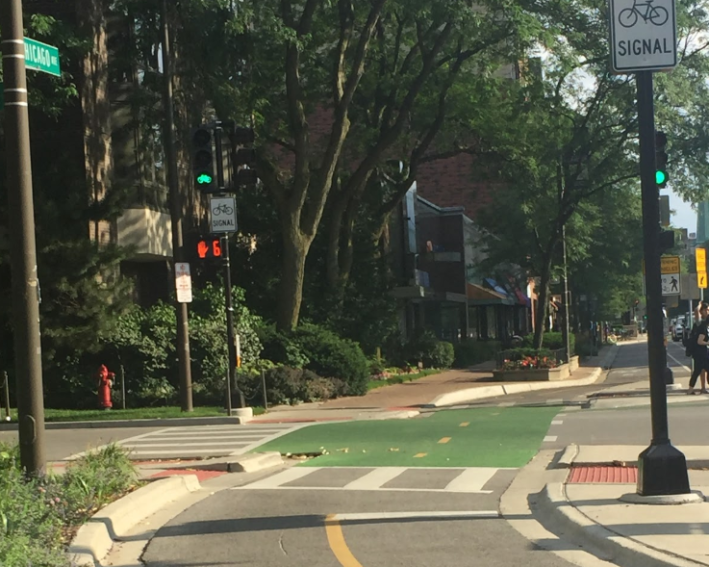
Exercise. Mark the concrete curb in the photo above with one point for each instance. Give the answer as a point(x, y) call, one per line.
point(563, 517)
point(240, 463)
point(122, 423)
point(95, 539)
point(473, 394)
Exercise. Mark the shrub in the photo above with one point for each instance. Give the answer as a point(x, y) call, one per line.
point(530, 362)
point(429, 351)
point(286, 385)
point(333, 357)
point(470, 352)
point(281, 348)
point(552, 340)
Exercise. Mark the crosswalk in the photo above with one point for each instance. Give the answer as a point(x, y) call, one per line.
point(202, 441)
point(473, 480)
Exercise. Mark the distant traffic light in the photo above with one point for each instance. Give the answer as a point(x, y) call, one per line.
point(210, 247)
point(203, 158)
point(243, 157)
point(661, 175)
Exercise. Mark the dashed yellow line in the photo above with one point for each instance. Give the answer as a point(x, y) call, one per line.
point(465, 424)
point(419, 455)
point(444, 440)
point(337, 542)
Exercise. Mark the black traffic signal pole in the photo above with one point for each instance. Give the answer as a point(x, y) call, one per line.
point(662, 468)
point(23, 248)
point(183, 335)
point(231, 335)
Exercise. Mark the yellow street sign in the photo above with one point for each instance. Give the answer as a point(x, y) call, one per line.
point(702, 280)
point(670, 264)
point(701, 255)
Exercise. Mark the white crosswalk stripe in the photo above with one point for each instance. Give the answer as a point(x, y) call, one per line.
point(203, 441)
point(472, 480)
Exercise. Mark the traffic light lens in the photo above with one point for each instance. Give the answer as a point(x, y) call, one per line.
point(202, 158)
point(660, 177)
point(202, 137)
point(204, 179)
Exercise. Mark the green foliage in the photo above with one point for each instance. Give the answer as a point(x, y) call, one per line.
point(333, 357)
point(34, 514)
point(286, 385)
point(553, 340)
point(469, 353)
point(281, 348)
point(429, 351)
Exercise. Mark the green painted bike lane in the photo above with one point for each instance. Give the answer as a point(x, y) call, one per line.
point(483, 437)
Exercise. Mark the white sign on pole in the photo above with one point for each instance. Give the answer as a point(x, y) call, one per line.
point(223, 214)
point(183, 282)
point(671, 284)
point(643, 35)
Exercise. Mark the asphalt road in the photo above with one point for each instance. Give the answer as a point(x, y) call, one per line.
point(295, 527)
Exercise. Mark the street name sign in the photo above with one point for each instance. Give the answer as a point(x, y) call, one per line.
point(183, 282)
point(223, 217)
point(42, 57)
point(643, 35)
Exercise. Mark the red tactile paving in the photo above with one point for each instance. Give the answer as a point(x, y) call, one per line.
point(602, 475)
point(201, 475)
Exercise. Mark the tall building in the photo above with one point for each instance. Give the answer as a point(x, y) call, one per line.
point(702, 222)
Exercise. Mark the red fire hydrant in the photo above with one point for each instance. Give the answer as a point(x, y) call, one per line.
point(105, 382)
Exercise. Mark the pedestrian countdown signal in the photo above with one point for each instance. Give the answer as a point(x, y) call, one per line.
point(209, 248)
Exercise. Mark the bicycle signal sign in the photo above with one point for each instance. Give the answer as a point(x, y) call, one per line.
point(222, 214)
point(643, 35)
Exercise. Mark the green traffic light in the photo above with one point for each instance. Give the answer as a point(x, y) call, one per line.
point(660, 177)
point(204, 179)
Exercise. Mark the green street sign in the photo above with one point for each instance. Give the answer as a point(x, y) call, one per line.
point(41, 57)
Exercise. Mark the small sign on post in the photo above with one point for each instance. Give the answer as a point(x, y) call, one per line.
point(183, 282)
point(670, 275)
point(223, 214)
point(701, 257)
point(643, 35)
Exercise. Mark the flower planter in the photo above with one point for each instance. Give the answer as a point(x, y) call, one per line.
point(562, 372)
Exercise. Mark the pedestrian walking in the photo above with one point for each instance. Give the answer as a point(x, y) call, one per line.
point(697, 345)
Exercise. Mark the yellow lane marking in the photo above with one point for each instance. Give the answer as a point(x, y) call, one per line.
point(465, 424)
point(419, 455)
point(337, 542)
point(444, 440)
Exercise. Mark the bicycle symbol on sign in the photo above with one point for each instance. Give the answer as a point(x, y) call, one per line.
point(223, 208)
point(655, 14)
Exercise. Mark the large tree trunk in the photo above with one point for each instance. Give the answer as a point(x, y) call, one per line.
point(295, 250)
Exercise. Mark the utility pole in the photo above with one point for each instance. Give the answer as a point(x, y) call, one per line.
point(565, 331)
point(183, 336)
point(662, 468)
point(23, 250)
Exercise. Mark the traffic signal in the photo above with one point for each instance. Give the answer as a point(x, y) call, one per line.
point(661, 175)
point(210, 247)
point(243, 157)
point(667, 240)
point(203, 151)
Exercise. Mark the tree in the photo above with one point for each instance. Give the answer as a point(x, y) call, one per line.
point(576, 139)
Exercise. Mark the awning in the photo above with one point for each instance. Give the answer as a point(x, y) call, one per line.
point(478, 295)
point(497, 287)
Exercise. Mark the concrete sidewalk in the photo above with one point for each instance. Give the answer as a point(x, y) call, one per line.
point(450, 387)
point(590, 509)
